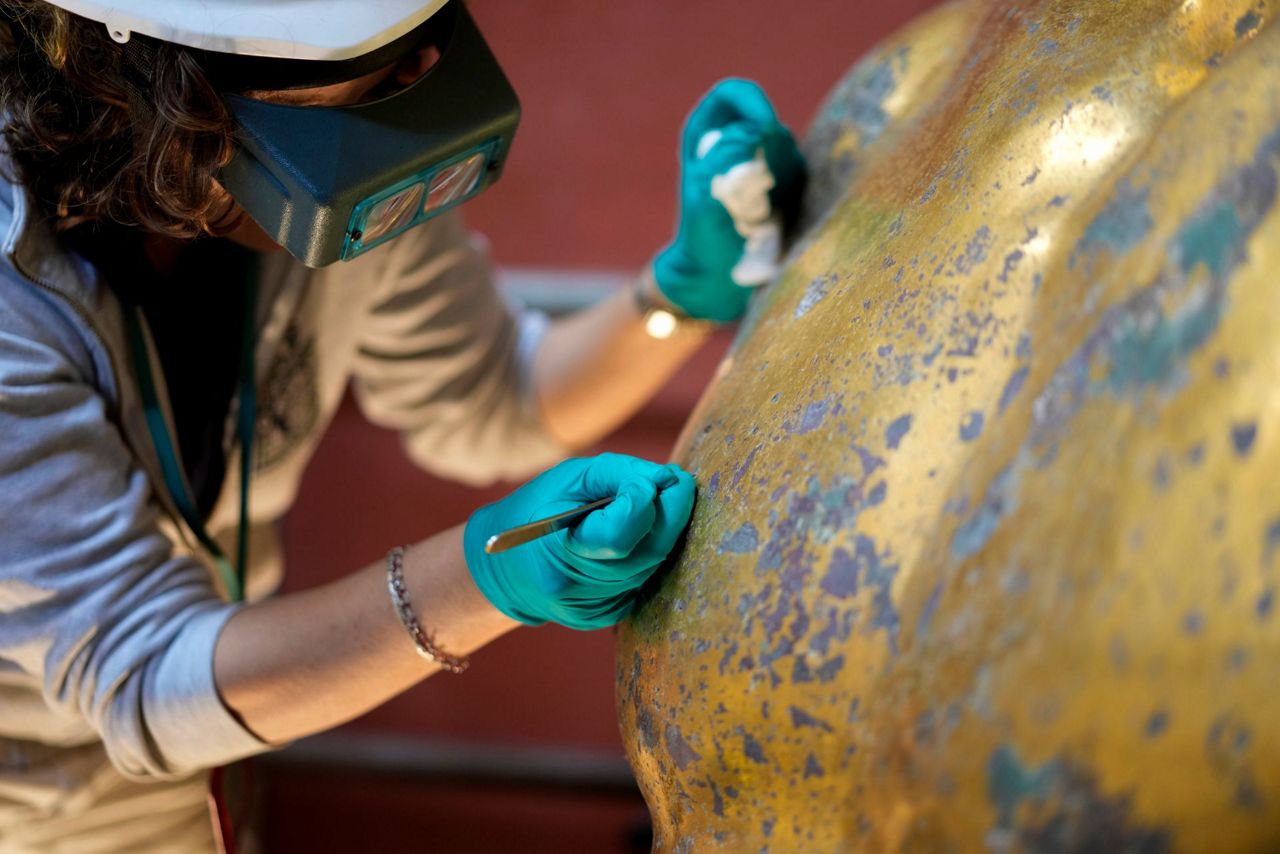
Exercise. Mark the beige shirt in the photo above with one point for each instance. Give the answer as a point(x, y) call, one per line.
point(108, 617)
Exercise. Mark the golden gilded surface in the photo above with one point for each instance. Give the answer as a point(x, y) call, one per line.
point(987, 547)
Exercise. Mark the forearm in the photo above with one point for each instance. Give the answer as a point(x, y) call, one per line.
point(596, 368)
point(301, 663)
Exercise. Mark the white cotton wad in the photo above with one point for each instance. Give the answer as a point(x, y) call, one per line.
point(744, 192)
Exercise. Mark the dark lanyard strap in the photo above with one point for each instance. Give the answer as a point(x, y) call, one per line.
point(175, 481)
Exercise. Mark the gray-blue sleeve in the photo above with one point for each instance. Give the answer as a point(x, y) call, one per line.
point(97, 611)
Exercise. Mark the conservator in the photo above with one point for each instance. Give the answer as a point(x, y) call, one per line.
point(146, 318)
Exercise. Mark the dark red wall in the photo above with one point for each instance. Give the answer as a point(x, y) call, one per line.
point(591, 184)
point(606, 85)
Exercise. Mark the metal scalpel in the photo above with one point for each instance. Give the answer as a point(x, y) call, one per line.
point(526, 533)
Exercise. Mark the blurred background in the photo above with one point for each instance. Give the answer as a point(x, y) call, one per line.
point(523, 750)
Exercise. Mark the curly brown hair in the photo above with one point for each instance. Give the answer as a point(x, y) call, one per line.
point(80, 149)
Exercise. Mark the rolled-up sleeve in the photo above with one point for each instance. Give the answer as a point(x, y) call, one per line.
point(97, 611)
point(445, 360)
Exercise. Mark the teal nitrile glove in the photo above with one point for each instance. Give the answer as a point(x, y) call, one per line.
point(587, 576)
point(742, 176)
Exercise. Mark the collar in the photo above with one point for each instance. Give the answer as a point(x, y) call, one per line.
point(31, 247)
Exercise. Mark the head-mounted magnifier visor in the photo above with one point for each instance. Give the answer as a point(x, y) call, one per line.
point(331, 183)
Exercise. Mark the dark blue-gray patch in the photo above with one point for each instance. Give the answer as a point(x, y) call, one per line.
point(1012, 387)
point(824, 673)
point(839, 626)
point(1266, 603)
point(975, 251)
point(1271, 541)
point(717, 800)
point(644, 723)
point(1023, 351)
point(814, 294)
point(1228, 735)
point(1121, 225)
point(817, 513)
point(1156, 724)
point(971, 427)
point(1001, 498)
point(1227, 743)
point(925, 727)
point(744, 540)
point(1243, 436)
point(801, 718)
point(841, 578)
point(829, 669)
point(874, 571)
point(812, 417)
point(1071, 812)
point(1010, 264)
point(1195, 454)
point(679, 749)
point(930, 608)
point(1193, 622)
point(753, 749)
point(796, 569)
point(895, 432)
point(741, 471)
point(1010, 782)
point(1237, 658)
point(812, 768)
point(729, 653)
point(866, 107)
point(1162, 474)
point(1247, 23)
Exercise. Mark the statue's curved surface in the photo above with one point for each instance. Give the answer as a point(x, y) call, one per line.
point(987, 551)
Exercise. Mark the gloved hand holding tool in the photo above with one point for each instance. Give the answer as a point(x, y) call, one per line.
point(586, 576)
point(742, 177)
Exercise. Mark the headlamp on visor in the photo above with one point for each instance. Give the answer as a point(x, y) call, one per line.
point(331, 183)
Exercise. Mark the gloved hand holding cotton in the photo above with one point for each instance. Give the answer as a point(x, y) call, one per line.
point(585, 577)
point(741, 178)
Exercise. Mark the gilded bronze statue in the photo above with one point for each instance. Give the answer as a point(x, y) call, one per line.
point(987, 548)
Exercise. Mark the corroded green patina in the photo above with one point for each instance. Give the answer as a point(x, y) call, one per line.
point(987, 547)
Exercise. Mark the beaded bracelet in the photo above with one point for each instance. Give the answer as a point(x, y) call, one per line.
point(424, 642)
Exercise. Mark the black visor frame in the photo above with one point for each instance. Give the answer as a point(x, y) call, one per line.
point(303, 172)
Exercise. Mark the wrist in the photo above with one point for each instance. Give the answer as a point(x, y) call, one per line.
point(424, 641)
point(487, 578)
point(700, 290)
point(445, 594)
point(663, 319)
